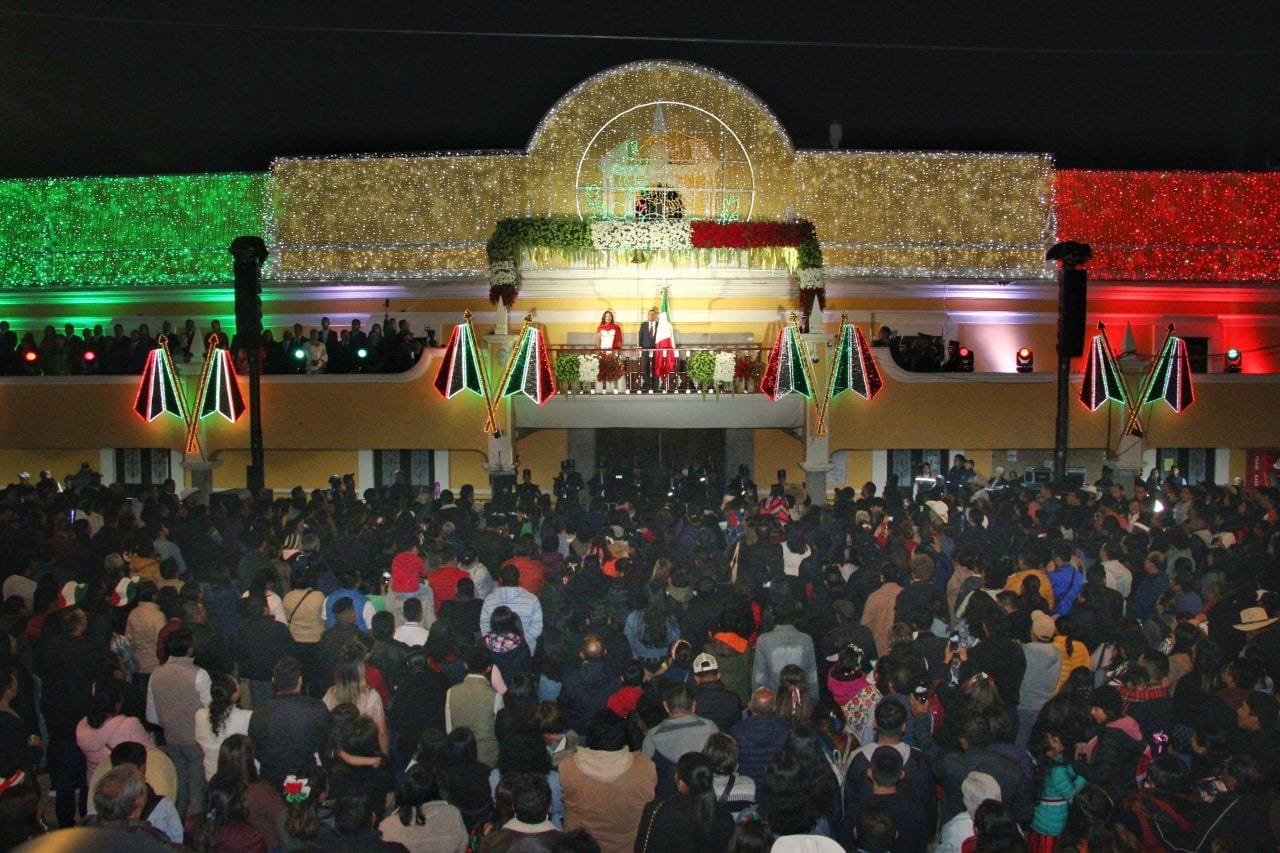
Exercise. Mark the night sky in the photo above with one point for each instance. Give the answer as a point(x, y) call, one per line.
point(96, 97)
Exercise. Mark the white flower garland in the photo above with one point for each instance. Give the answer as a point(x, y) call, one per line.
point(725, 364)
point(620, 235)
point(503, 274)
point(811, 279)
point(588, 368)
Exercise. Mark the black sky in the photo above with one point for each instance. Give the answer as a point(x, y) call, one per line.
point(92, 97)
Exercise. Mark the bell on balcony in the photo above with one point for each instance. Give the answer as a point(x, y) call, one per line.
point(637, 257)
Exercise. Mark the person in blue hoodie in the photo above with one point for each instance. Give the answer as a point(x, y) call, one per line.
point(1065, 578)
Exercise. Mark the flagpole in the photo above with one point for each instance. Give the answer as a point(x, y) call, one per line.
point(511, 363)
point(821, 428)
point(193, 441)
point(491, 422)
point(210, 350)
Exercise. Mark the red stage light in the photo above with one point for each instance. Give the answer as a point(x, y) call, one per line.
point(90, 355)
point(964, 352)
point(1025, 360)
point(30, 355)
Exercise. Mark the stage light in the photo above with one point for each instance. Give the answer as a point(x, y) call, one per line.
point(966, 360)
point(299, 353)
point(1026, 360)
point(90, 356)
point(1233, 361)
point(362, 353)
point(30, 356)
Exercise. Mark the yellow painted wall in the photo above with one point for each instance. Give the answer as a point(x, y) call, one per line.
point(285, 469)
point(541, 452)
point(467, 466)
point(59, 462)
point(774, 449)
point(859, 469)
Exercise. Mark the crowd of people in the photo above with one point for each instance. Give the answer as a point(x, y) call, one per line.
point(324, 349)
point(981, 666)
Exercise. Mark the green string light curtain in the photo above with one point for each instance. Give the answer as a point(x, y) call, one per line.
point(157, 230)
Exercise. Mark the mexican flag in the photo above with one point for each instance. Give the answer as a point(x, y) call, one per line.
point(664, 361)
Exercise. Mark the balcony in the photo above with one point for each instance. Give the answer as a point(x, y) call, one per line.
point(678, 400)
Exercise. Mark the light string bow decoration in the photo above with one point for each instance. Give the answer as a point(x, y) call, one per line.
point(788, 368)
point(529, 367)
point(852, 368)
point(462, 369)
point(1168, 379)
point(160, 391)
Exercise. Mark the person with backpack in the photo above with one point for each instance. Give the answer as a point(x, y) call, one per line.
point(1166, 810)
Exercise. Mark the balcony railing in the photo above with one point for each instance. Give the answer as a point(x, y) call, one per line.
point(698, 369)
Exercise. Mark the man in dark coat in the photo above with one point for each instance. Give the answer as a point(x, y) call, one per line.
point(588, 690)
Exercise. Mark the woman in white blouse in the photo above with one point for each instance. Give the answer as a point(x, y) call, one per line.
point(350, 687)
point(220, 720)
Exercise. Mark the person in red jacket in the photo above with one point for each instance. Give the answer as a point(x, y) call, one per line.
point(532, 575)
point(443, 575)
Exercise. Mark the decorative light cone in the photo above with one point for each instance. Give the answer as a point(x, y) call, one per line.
point(1171, 377)
point(158, 391)
point(221, 393)
point(787, 370)
point(460, 367)
point(1102, 378)
point(529, 372)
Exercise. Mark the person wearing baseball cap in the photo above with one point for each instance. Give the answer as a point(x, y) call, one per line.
point(716, 702)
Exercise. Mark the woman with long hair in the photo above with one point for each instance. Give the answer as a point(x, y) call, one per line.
point(220, 720)
point(298, 826)
point(995, 830)
point(104, 727)
point(693, 819)
point(262, 803)
point(422, 819)
point(506, 643)
point(794, 705)
point(854, 692)
point(608, 335)
point(650, 630)
point(518, 704)
point(466, 779)
point(224, 827)
point(350, 688)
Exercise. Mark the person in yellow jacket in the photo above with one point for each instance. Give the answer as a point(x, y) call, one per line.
point(1074, 653)
point(1030, 564)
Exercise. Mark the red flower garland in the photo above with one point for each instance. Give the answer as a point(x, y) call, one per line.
point(710, 234)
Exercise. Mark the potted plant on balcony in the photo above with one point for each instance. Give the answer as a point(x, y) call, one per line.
point(610, 371)
point(588, 369)
point(567, 369)
point(701, 368)
point(746, 372)
point(725, 369)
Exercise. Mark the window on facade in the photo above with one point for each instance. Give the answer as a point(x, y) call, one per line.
point(1198, 354)
point(907, 464)
point(1195, 463)
point(419, 467)
point(142, 466)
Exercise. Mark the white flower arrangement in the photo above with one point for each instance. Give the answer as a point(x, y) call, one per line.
point(619, 235)
point(725, 363)
point(503, 274)
point(588, 369)
point(811, 279)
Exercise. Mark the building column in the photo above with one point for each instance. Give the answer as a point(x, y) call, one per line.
point(501, 452)
point(201, 472)
point(817, 454)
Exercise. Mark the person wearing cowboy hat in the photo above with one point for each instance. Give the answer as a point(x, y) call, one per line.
point(1263, 638)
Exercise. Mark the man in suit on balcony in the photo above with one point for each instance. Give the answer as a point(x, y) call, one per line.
point(648, 341)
